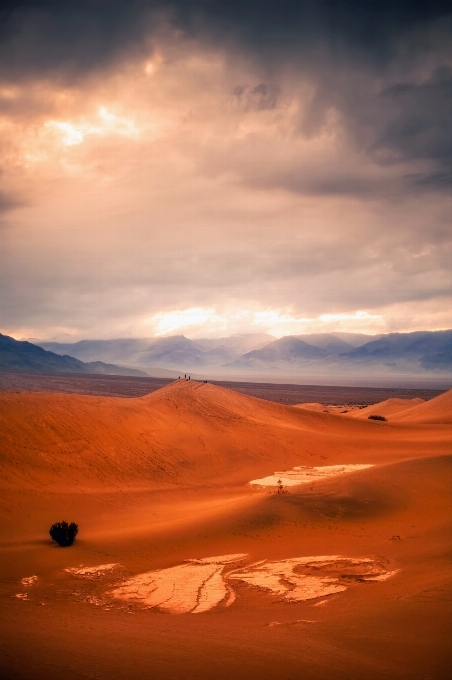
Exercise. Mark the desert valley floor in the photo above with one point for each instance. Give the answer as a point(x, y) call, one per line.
point(183, 569)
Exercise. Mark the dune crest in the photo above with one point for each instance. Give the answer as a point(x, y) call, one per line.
point(437, 411)
point(186, 433)
point(386, 408)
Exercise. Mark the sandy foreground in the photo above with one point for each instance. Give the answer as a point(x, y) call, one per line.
point(183, 569)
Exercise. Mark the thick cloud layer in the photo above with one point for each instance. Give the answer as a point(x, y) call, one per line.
point(281, 166)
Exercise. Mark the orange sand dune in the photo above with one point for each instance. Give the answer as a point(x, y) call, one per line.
point(161, 482)
point(386, 408)
point(312, 406)
point(397, 514)
point(435, 411)
point(186, 433)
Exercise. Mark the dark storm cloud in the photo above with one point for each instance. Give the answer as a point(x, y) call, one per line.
point(68, 38)
point(417, 124)
point(80, 35)
point(365, 60)
point(261, 97)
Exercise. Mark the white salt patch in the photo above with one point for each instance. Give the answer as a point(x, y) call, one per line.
point(262, 579)
point(22, 596)
point(281, 579)
point(195, 586)
point(91, 572)
point(198, 585)
point(311, 587)
point(213, 591)
point(306, 475)
point(174, 590)
point(230, 597)
point(28, 580)
point(291, 623)
point(382, 577)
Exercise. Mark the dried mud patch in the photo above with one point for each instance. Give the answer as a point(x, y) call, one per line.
point(196, 586)
point(206, 584)
point(201, 585)
point(306, 578)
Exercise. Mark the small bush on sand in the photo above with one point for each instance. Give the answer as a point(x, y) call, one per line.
point(63, 533)
point(376, 418)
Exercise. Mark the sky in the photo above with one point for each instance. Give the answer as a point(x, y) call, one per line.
point(212, 168)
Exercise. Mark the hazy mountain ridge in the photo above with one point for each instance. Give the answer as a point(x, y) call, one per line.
point(420, 352)
point(405, 352)
point(172, 352)
point(23, 355)
point(288, 349)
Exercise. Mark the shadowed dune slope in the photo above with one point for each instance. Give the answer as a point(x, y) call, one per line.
point(186, 433)
point(436, 411)
point(386, 408)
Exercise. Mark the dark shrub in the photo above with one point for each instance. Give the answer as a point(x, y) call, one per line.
point(63, 533)
point(376, 418)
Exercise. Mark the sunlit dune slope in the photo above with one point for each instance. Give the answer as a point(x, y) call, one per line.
point(435, 411)
point(386, 408)
point(312, 406)
point(388, 500)
point(186, 433)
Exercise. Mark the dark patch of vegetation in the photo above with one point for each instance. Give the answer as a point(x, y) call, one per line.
point(280, 487)
point(376, 418)
point(63, 533)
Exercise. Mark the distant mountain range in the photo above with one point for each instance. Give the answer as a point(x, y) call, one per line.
point(175, 352)
point(22, 355)
point(254, 356)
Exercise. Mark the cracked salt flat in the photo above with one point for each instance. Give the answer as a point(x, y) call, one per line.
point(281, 579)
point(196, 586)
point(305, 475)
